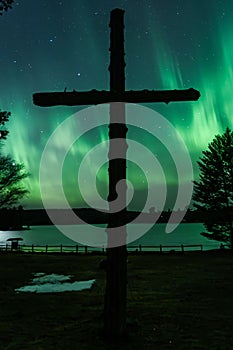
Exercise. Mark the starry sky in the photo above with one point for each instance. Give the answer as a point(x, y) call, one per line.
point(56, 45)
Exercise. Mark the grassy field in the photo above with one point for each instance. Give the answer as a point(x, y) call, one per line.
point(179, 301)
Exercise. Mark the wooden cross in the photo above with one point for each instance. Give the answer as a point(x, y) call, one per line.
point(116, 271)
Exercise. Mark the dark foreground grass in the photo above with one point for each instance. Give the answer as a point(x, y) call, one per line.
point(174, 302)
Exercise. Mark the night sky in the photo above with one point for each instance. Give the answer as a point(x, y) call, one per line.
point(53, 45)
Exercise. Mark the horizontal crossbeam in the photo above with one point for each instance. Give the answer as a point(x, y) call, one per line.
point(94, 97)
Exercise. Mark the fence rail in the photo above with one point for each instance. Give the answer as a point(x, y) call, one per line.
point(86, 249)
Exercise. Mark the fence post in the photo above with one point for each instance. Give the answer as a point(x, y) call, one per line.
point(201, 247)
point(86, 249)
point(103, 250)
point(161, 248)
point(32, 248)
point(182, 248)
point(61, 248)
point(77, 248)
point(140, 247)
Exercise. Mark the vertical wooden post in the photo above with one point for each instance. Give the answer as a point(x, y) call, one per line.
point(116, 272)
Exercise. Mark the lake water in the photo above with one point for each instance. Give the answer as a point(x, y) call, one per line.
point(186, 234)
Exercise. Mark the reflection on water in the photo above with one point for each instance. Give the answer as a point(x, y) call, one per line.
point(49, 235)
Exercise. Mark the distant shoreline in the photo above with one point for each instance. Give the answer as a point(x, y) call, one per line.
point(24, 219)
point(38, 217)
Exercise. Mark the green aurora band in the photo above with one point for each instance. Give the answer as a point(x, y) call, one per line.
point(163, 51)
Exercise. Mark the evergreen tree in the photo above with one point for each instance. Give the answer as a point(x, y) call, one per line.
point(213, 193)
point(11, 174)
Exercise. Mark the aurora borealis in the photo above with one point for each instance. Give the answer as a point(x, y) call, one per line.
point(57, 45)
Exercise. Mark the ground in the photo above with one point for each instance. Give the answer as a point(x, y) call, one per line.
point(175, 301)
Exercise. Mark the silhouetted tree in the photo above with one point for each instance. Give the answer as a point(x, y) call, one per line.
point(5, 5)
point(213, 194)
point(11, 173)
point(4, 117)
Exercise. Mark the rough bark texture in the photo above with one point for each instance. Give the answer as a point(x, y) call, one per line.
point(74, 98)
point(116, 273)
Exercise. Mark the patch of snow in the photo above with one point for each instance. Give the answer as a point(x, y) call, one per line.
point(38, 274)
point(52, 284)
point(53, 278)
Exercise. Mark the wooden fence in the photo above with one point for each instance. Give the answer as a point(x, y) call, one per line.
point(86, 250)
